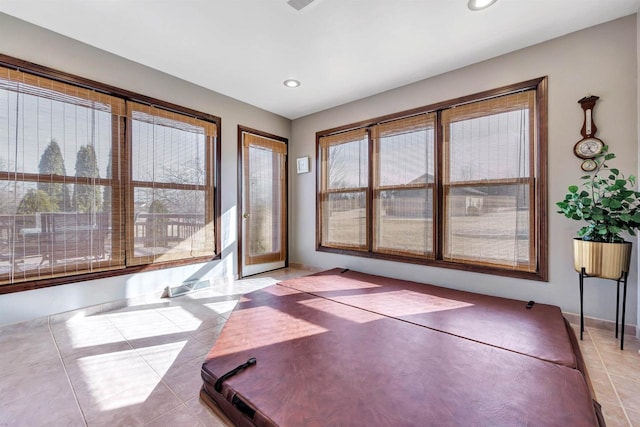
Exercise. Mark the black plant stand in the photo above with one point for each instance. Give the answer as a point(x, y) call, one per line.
point(623, 278)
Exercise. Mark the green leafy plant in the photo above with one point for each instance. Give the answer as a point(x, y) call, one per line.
point(606, 200)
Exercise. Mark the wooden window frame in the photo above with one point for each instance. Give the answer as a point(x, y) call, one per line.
point(537, 186)
point(122, 189)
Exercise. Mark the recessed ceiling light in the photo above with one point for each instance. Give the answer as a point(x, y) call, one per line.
point(480, 4)
point(291, 83)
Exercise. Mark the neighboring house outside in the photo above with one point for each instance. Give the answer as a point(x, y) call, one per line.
point(469, 201)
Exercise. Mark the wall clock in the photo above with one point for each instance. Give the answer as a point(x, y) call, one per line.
point(589, 146)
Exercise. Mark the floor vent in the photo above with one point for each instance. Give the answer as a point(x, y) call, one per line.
point(187, 287)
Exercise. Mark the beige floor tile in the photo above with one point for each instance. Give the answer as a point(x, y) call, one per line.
point(206, 415)
point(590, 354)
point(208, 336)
point(26, 382)
point(628, 369)
point(614, 416)
point(631, 342)
point(629, 391)
point(103, 350)
point(184, 379)
point(576, 330)
point(165, 353)
point(623, 363)
point(180, 416)
point(607, 340)
point(634, 417)
point(23, 328)
point(605, 393)
point(116, 419)
point(142, 323)
point(44, 407)
point(136, 406)
point(76, 335)
point(606, 348)
point(37, 394)
point(190, 316)
point(27, 349)
point(614, 348)
point(223, 306)
point(111, 378)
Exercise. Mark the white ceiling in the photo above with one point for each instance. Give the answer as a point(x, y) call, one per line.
point(341, 50)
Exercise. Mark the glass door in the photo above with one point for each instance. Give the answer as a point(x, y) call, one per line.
point(264, 203)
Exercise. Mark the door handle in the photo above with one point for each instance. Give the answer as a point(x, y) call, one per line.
point(245, 215)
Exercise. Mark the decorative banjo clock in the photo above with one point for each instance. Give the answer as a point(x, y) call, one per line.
point(589, 146)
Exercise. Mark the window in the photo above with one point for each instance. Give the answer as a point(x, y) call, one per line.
point(488, 182)
point(403, 184)
point(91, 182)
point(344, 195)
point(171, 184)
point(458, 185)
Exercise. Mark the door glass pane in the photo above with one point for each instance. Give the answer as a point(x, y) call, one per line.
point(264, 204)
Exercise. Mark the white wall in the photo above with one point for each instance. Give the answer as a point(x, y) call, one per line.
point(34, 44)
point(601, 61)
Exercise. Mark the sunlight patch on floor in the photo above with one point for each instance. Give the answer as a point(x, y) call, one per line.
point(117, 380)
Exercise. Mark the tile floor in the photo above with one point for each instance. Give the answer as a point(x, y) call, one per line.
point(132, 366)
point(140, 365)
point(615, 374)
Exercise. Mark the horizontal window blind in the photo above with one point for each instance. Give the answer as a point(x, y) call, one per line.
point(344, 186)
point(403, 184)
point(171, 204)
point(488, 182)
point(60, 210)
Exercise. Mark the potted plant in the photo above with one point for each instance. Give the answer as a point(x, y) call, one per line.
point(607, 201)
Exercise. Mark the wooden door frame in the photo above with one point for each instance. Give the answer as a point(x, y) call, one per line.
point(240, 199)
